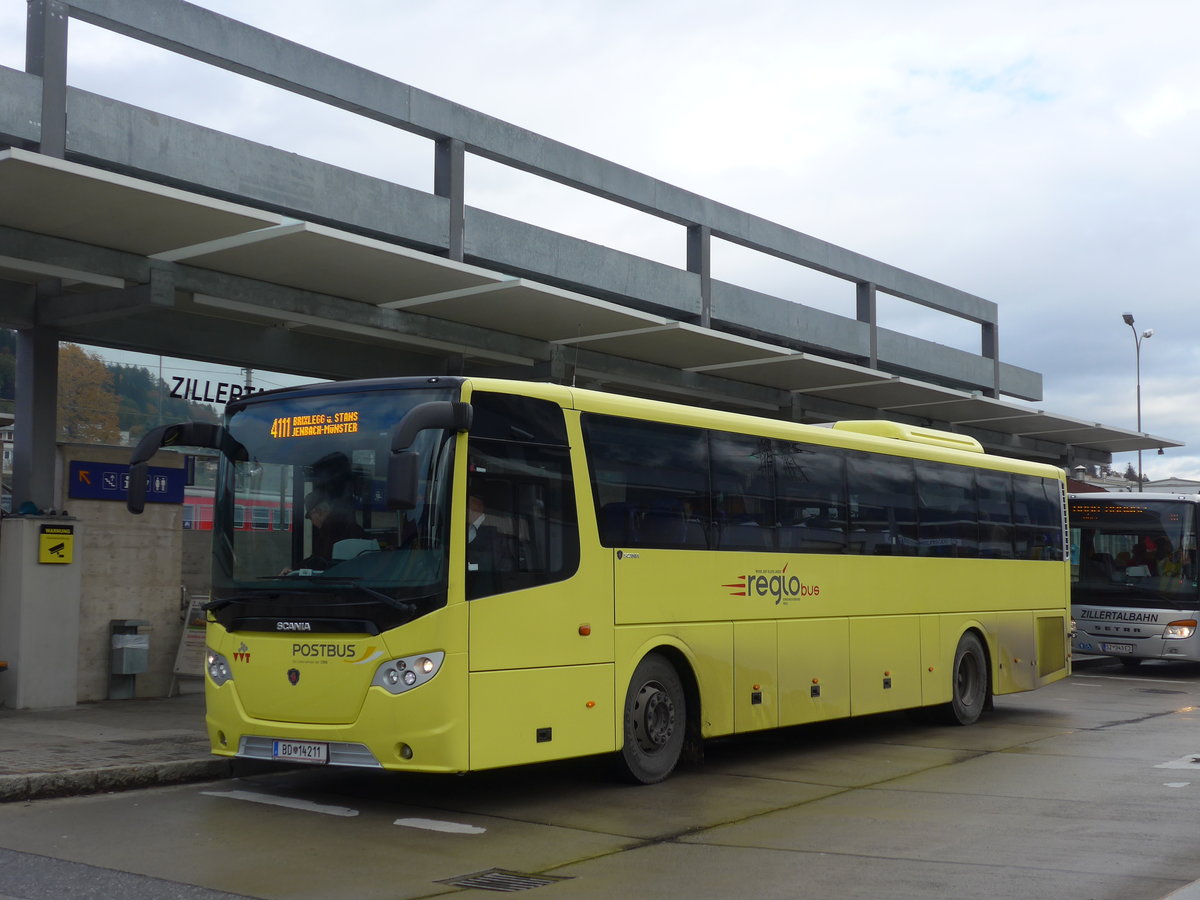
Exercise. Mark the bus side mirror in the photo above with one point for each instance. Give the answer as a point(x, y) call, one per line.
point(181, 434)
point(402, 479)
point(403, 469)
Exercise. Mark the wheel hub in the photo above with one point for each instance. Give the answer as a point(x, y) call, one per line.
point(655, 722)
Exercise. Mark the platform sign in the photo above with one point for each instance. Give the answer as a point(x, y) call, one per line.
point(189, 657)
point(56, 543)
point(110, 481)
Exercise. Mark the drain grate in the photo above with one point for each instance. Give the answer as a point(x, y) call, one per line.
point(1157, 691)
point(503, 880)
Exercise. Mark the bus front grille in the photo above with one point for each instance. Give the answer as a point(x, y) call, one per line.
point(340, 753)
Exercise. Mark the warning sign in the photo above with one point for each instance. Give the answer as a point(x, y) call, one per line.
point(56, 543)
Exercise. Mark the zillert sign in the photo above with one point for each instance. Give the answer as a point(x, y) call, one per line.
point(208, 391)
point(110, 481)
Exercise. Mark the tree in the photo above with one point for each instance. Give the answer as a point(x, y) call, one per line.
point(87, 405)
point(1130, 474)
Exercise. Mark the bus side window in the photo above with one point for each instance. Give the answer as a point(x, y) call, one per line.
point(995, 515)
point(650, 482)
point(520, 471)
point(743, 491)
point(810, 487)
point(948, 512)
point(1037, 515)
point(883, 515)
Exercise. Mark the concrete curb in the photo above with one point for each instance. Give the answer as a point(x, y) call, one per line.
point(108, 779)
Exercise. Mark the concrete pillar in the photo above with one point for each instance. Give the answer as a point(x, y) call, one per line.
point(868, 312)
point(46, 56)
point(39, 611)
point(699, 260)
point(449, 181)
point(36, 416)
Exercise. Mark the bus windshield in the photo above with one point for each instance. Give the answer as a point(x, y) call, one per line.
point(300, 524)
point(1133, 552)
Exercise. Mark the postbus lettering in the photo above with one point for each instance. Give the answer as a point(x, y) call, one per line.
point(324, 651)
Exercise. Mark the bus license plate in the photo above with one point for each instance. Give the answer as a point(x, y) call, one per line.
point(1117, 648)
point(300, 752)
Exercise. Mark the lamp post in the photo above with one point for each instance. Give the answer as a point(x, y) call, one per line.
point(1137, 356)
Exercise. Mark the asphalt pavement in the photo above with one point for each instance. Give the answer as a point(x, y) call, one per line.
point(117, 745)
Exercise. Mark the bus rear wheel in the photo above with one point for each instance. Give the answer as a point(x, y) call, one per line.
point(655, 721)
point(969, 685)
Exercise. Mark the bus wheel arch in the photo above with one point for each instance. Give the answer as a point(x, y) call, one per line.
point(660, 717)
point(970, 680)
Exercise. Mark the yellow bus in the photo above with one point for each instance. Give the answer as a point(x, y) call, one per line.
point(478, 573)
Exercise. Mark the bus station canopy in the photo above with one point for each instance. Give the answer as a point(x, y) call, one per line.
point(100, 232)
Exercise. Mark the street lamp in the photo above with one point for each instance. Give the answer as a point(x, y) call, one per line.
point(1137, 355)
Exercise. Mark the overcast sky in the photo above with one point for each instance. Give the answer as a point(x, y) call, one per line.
point(1042, 155)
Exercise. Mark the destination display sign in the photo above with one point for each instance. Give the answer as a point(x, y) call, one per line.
point(315, 425)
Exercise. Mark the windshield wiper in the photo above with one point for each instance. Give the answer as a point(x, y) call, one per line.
point(352, 582)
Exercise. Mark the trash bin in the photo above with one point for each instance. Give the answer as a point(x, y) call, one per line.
point(129, 655)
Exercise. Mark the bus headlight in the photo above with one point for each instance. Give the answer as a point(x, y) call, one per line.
point(217, 667)
point(1184, 628)
point(399, 675)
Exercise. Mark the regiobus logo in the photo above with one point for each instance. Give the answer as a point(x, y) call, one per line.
point(775, 583)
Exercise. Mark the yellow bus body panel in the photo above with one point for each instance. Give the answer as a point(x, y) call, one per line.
point(814, 670)
point(533, 715)
point(431, 720)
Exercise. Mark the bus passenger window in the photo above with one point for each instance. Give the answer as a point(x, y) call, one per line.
point(883, 515)
point(810, 485)
point(650, 482)
point(1038, 517)
point(948, 513)
point(743, 491)
point(995, 515)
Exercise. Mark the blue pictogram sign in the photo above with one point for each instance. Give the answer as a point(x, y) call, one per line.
point(110, 481)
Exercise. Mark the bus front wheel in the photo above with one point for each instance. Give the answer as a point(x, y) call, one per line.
point(969, 685)
point(655, 721)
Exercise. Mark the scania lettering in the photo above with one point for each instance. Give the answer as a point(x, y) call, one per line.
point(464, 573)
point(1133, 576)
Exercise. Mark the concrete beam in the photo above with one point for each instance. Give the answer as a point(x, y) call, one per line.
point(258, 54)
point(170, 151)
point(20, 108)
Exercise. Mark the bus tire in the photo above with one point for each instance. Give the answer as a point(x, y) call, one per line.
point(655, 721)
point(969, 682)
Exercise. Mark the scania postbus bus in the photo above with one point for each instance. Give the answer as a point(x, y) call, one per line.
point(538, 572)
point(1133, 576)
